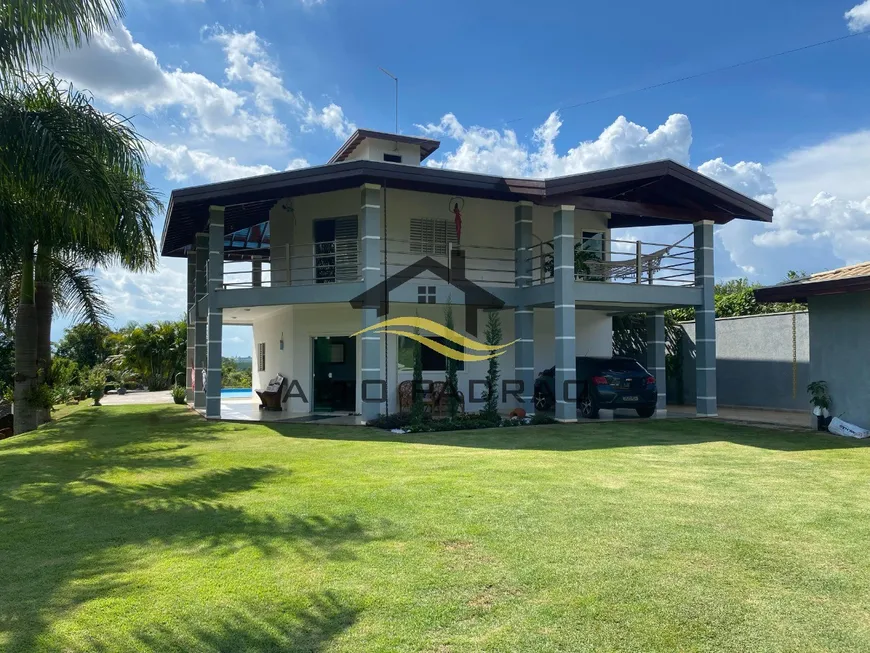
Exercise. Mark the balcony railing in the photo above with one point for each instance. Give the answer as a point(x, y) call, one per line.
point(303, 264)
point(595, 260)
point(621, 261)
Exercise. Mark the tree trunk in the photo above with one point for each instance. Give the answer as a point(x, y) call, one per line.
point(44, 300)
point(25, 349)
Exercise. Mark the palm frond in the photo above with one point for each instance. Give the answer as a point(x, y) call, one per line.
point(76, 292)
point(31, 29)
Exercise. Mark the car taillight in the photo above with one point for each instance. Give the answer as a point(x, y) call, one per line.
point(599, 380)
point(650, 380)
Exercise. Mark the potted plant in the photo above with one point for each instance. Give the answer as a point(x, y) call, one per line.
point(821, 401)
point(124, 376)
point(95, 383)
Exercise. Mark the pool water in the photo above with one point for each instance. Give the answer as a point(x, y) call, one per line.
point(236, 392)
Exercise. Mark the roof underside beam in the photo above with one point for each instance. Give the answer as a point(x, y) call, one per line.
point(664, 212)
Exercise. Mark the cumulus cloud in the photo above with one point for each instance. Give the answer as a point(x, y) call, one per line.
point(481, 149)
point(821, 194)
point(858, 17)
point(126, 74)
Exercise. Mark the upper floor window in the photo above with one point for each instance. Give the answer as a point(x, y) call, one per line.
point(392, 158)
point(431, 236)
point(336, 251)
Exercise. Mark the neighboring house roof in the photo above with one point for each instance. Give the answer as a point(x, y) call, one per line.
point(647, 194)
point(852, 278)
point(427, 145)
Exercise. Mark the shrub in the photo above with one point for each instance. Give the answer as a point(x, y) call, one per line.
point(538, 418)
point(94, 382)
point(178, 394)
point(42, 396)
point(393, 421)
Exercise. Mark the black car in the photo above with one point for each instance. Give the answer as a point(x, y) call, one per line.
point(603, 383)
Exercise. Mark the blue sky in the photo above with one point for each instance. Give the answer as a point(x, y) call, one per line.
point(229, 88)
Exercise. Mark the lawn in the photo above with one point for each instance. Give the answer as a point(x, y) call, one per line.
point(144, 528)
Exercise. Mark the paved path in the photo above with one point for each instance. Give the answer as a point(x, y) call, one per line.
point(138, 397)
point(790, 418)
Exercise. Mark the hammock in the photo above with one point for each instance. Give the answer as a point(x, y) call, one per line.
point(627, 268)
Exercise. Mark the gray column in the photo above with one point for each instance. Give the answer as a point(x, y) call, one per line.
point(256, 273)
point(215, 314)
point(201, 336)
point(524, 316)
point(371, 358)
point(655, 358)
point(705, 322)
point(191, 326)
point(564, 315)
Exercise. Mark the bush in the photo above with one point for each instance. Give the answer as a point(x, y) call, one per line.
point(538, 418)
point(42, 396)
point(94, 382)
point(392, 421)
point(178, 395)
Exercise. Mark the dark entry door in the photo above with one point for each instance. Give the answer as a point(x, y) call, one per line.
point(334, 369)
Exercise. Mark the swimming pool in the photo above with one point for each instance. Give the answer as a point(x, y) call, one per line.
point(238, 393)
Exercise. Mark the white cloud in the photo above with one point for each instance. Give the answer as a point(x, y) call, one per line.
point(838, 166)
point(181, 163)
point(161, 295)
point(500, 152)
point(248, 61)
point(126, 74)
point(821, 194)
point(858, 17)
point(331, 118)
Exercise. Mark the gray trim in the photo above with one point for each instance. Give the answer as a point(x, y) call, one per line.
point(564, 314)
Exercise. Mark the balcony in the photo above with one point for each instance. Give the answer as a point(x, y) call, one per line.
point(620, 261)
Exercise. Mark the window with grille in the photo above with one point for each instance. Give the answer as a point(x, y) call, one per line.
point(336, 250)
point(261, 356)
point(431, 236)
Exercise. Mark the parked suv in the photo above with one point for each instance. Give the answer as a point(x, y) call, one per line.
point(603, 383)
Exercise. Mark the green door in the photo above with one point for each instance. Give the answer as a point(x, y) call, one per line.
point(334, 370)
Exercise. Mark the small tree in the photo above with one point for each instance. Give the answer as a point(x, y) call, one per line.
point(452, 381)
point(417, 407)
point(493, 337)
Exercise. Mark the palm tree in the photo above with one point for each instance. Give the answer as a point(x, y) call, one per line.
point(71, 189)
point(30, 29)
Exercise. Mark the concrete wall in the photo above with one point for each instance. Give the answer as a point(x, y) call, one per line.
point(840, 352)
point(299, 324)
point(754, 361)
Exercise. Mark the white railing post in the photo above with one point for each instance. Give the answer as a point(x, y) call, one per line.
point(638, 247)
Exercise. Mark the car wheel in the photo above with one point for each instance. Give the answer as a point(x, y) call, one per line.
point(587, 406)
point(646, 411)
point(543, 401)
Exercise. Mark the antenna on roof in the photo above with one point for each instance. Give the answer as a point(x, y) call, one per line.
point(395, 79)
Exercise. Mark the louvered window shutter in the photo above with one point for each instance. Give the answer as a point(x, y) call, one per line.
point(346, 249)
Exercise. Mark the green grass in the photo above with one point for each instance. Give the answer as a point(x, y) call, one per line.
point(146, 528)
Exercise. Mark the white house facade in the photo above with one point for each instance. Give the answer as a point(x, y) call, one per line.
point(310, 257)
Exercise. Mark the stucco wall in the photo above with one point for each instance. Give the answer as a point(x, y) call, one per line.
point(754, 361)
point(299, 324)
point(840, 352)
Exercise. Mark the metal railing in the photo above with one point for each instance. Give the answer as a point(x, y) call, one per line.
point(304, 264)
point(595, 260)
point(620, 261)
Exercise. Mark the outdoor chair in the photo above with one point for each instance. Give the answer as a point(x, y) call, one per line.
point(271, 397)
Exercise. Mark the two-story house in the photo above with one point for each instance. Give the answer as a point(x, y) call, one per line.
point(300, 255)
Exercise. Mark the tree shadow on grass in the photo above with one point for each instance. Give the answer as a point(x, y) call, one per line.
point(72, 535)
point(587, 436)
point(306, 629)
